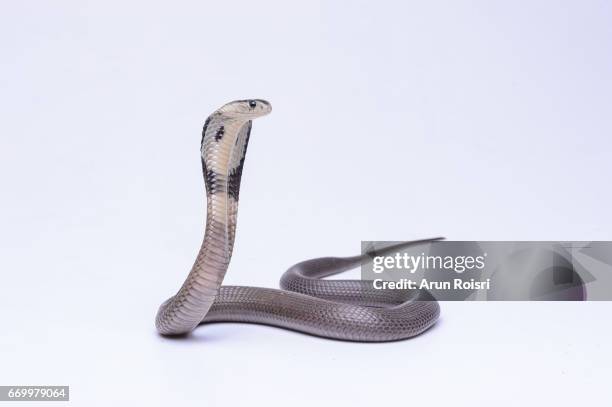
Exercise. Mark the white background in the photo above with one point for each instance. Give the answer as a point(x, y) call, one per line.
point(392, 121)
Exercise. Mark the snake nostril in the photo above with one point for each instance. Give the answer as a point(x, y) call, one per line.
point(252, 104)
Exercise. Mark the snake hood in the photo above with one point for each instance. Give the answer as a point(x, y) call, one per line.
point(225, 138)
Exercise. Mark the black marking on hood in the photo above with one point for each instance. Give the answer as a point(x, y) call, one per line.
point(220, 133)
point(210, 180)
point(205, 171)
point(233, 182)
point(208, 174)
point(206, 123)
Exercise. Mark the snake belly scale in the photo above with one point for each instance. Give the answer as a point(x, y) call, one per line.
point(338, 309)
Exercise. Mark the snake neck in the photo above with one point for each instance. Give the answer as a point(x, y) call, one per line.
point(224, 144)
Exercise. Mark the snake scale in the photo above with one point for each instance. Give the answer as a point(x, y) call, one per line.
point(339, 309)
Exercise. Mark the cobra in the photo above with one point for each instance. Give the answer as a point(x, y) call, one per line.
point(339, 309)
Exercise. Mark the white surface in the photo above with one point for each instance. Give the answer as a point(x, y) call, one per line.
point(476, 121)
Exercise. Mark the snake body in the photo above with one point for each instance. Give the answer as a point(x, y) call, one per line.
point(339, 309)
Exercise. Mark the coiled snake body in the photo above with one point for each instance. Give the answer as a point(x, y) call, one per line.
point(339, 309)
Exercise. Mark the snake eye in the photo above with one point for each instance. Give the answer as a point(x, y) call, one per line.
point(252, 104)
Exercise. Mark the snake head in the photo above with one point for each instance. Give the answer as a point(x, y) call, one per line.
point(245, 109)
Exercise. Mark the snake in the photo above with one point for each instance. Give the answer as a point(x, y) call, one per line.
point(350, 310)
